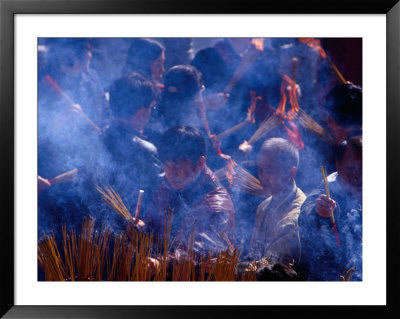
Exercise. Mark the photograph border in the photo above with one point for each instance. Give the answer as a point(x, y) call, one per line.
point(7, 159)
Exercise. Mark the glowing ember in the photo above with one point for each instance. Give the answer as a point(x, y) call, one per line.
point(258, 43)
point(280, 110)
point(290, 127)
point(230, 171)
point(315, 44)
point(252, 109)
point(292, 98)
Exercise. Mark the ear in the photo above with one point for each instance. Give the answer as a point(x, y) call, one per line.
point(201, 162)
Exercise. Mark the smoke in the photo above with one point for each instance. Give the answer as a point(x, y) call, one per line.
point(86, 68)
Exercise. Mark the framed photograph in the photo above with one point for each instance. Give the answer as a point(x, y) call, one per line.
point(369, 33)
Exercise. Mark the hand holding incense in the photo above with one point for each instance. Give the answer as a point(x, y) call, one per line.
point(325, 178)
point(246, 148)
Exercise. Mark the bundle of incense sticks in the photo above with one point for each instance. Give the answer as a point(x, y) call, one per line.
point(249, 120)
point(233, 129)
point(316, 44)
point(84, 256)
point(237, 176)
point(307, 122)
point(87, 257)
point(325, 177)
point(224, 267)
point(249, 56)
point(185, 267)
point(50, 259)
point(67, 177)
point(280, 116)
point(112, 198)
point(165, 242)
point(265, 127)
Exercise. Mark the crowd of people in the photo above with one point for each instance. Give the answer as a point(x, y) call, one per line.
point(155, 116)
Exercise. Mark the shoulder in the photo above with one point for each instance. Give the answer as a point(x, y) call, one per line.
point(261, 209)
point(300, 197)
point(294, 209)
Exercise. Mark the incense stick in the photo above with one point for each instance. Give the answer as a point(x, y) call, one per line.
point(56, 87)
point(324, 175)
point(237, 176)
point(66, 177)
point(233, 129)
point(112, 198)
point(138, 205)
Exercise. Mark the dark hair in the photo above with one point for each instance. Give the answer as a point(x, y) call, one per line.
point(182, 82)
point(353, 143)
point(344, 104)
point(176, 106)
point(212, 66)
point(129, 93)
point(140, 54)
point(181, 143)
point(283, 150)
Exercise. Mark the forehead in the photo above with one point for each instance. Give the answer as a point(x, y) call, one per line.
point(179, 163)
point(267, 159)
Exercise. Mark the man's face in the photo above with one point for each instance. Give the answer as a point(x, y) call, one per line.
point(350, 168)
point(274, 178)
point(181, 174)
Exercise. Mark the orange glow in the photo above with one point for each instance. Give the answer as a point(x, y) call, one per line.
point(314, 43)
point(280, 110)
point(292, 98)
point(230, 171)
point(252, 109)
point(258, 43)
point(291, 128)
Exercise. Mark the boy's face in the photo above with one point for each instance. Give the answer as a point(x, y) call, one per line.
point(182, 174)
point(274, 178)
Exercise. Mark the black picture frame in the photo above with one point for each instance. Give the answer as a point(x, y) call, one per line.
point(8, 10)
